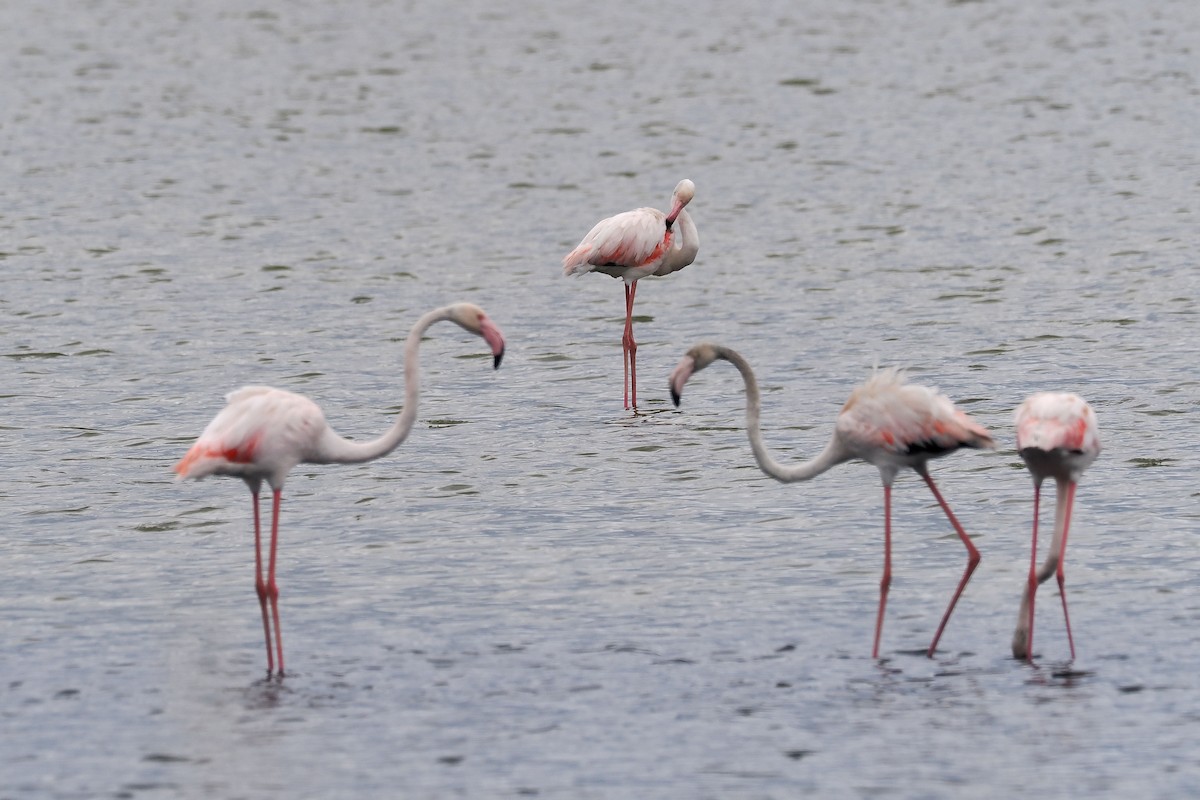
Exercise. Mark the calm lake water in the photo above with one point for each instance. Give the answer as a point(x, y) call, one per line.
point(539, 594)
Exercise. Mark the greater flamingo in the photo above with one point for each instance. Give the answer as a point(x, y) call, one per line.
point(886, 422)
point(263, 432)
point(1057, 437)
point(632, 245)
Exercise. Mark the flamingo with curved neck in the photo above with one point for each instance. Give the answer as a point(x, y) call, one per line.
point(887, 422)
point(262, 433)
point(632, 245)
point(1057, 438)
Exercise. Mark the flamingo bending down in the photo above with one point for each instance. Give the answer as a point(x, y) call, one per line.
point(263, 432)
point(632, 245)
point(886, 422)
point(1057, 437)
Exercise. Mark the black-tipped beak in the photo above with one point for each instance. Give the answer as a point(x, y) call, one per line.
point(497, 359)
point(679, 377)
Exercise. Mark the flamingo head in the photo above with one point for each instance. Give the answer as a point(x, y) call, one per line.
point(685, 190)
point(693, 361)
point(473, 319)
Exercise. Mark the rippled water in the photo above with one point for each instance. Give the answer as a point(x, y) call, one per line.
point(540, 594)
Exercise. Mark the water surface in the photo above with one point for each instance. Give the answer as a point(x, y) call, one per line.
point(540, 594)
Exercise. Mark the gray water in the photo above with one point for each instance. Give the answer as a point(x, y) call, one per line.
point(540, 594)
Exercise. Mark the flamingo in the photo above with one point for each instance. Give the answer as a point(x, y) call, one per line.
point(632, 245)
point(1057, 437)
point(887, 422)
point(263, 432)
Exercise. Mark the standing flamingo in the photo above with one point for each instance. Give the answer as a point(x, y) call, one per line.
point(1058, 438)
point(886, 422)
point(632, 245)
point(263, 432)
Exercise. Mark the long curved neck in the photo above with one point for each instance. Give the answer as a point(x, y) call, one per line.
point(685, 244)
point(1064, 497)
point(833, 454)
point(333, 449)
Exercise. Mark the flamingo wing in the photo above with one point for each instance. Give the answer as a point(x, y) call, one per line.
point(634, 240)
point(1057, 421)
point(889, 415)
point(261, 432)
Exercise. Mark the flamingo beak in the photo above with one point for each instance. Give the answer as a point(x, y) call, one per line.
point(679, 377)
point(675, 209)
point(495, 339)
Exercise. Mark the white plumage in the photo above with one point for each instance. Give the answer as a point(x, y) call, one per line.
point(1058, 438)
point(887, 422)
point(262, 433)
point(631, 246)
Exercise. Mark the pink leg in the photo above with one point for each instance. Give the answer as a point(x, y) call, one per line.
point(1062, 555)
point(632, 349)
point(629, 347)
point(886, 581)
point(1033, 580)
point(272, 588)
point(626, 338)
point(972, 559)
point(260, 585)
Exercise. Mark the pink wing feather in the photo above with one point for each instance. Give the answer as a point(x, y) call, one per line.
point(629, 245)
point(259, 430)
point(1056, 420)
point(891, 414)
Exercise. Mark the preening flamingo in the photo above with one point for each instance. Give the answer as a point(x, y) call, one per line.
point(886, 422)
point(632, 245)
point(263, 432)
point(1057, 437)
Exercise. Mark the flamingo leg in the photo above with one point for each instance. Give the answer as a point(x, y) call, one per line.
point(1031, 589)
point(629, 347)
point(886, 581)
point(632, 350)
point(1062, 554)
point(626, 335)
point(272, 588)
point(972, 558)
point(260, 585)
